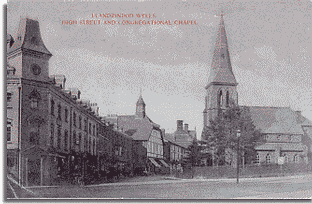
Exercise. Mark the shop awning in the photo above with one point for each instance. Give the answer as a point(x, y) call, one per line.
point(164, 163)
point(154, 162)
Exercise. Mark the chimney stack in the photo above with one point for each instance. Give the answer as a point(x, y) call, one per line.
point(75, 92)
point(179, 124)
point(59, 80)
point(186, 127)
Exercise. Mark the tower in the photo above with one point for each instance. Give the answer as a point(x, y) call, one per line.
point(140, 107)
point(221, 88)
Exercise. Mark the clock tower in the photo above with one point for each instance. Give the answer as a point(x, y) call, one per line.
point(27, 53)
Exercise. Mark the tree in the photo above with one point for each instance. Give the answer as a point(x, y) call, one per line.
point(221, 134)
point(193, 157)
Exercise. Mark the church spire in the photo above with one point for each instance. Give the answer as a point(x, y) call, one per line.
point(221, 68)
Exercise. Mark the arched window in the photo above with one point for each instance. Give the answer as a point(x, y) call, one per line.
point(268, 159)
point(220, 98)
point(227, 99)
point(296, 158)
point(258, 159)
point(34, 98)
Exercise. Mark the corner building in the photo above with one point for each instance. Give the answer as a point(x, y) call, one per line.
point(50, 131)
point(286, 132)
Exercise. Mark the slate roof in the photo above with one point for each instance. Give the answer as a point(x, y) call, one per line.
point(221, 68)
point(28, 36)
point(136, 127)
point(274, 119)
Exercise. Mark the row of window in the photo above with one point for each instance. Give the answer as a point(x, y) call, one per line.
point(279, 137)
point(268, 158)
point(75, 124)
point(77, 139)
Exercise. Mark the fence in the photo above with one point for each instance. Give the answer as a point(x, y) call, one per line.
point(249, 171)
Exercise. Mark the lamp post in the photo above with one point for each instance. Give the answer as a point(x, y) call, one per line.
point(237, 161)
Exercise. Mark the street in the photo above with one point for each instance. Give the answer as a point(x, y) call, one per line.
point(293, 187)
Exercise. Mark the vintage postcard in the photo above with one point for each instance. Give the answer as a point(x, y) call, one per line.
point(181, 99)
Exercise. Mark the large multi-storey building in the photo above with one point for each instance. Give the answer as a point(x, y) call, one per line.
point(50, 131)
point(286, 132)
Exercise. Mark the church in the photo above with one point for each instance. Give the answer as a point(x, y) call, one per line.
point(286, 132)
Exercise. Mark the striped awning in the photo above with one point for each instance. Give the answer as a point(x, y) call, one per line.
point(164, 163)
point(154, 162)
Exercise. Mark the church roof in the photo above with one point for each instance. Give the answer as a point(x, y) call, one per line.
point(221, 68)
point(274, 119)
point(28, 36)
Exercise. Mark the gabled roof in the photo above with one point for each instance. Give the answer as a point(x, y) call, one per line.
point(221, 68)
point(28, 36)
point(274, 119)
point(136, 127)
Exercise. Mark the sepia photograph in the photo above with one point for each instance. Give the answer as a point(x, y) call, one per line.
point(179, 100)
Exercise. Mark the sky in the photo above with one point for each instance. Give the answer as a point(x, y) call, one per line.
point(270, 46)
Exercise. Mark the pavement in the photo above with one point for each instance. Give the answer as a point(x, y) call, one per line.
point(156, 186)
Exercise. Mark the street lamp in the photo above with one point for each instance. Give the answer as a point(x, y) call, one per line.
point(238, 133)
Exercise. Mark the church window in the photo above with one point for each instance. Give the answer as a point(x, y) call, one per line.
point(220, 98)
point(268, 159)
point(227, 99)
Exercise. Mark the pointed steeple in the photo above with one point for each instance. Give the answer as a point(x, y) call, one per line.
point(221, 69)
point(140, 107)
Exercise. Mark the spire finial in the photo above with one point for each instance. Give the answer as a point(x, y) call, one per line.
point(140, 91)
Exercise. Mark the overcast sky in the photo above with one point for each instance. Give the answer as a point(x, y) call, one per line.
point(270, 47)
